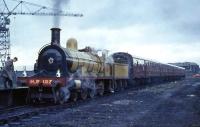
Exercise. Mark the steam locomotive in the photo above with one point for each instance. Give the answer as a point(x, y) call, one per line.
point(68, 73)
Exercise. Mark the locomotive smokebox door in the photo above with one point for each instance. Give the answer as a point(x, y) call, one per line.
point(55, 36)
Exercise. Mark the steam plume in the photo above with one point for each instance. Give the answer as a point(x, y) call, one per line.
point(57, 5)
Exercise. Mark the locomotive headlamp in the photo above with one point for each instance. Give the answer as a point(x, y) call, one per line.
point(24, 72)
point(58, 73)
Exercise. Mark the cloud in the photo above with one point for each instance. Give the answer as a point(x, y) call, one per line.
point(138, 41)
point(167, 31)
point(177, 16)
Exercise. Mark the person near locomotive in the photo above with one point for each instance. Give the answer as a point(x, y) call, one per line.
point(8, 74)
point(36, 66)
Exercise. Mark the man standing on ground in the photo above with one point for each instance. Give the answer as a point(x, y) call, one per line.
point(8, 73)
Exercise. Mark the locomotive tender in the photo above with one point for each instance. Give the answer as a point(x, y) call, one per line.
point(69, 73)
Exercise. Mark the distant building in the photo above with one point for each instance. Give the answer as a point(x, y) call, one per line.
point(189, 66)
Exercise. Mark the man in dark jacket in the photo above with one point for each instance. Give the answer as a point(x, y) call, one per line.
point(8, 72)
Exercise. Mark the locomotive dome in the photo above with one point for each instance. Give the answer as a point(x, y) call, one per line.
point(72, 43)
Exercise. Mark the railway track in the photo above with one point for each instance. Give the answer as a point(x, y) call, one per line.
point(19, 114)
point(11, 113)
point(10, 109)
point(16, 115)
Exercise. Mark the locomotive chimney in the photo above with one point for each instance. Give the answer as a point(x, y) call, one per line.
point(55, 36)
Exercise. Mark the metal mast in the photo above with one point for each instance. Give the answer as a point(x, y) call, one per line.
point(21, 8)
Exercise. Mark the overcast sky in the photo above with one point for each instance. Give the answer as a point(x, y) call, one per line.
point(162, 30)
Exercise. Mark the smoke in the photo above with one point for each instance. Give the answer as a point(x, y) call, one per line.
point(109, 59)
point(57, 5)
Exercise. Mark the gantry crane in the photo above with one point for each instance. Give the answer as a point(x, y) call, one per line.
point(21, 8)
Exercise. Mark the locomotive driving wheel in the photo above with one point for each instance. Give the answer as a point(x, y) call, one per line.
point(83, 94)
point(125, 84)
point(74, 96)
point(91, 93)
point(62, 95)
point(116, 85)
point(121, 85)
point(101, 89)
point(59, 97)
point(92, 89)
